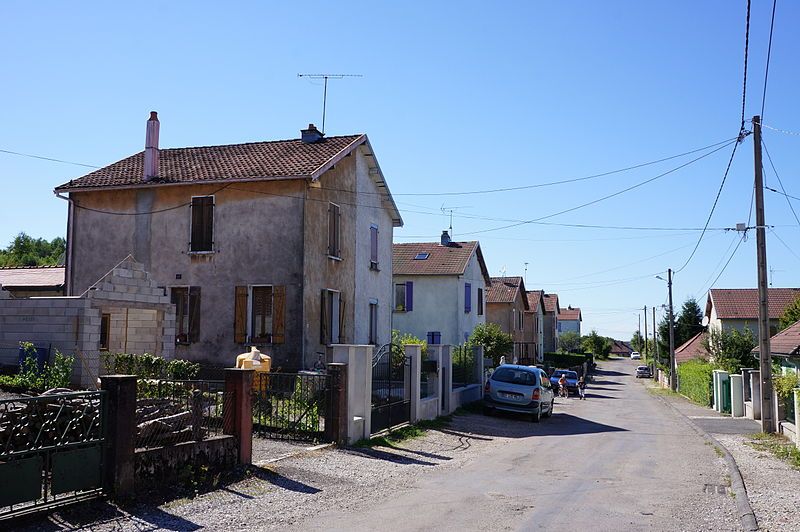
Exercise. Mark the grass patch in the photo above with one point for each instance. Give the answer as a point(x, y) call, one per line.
point(719, 452)
point(778, 446)
point(658, 390)
point(408, 432)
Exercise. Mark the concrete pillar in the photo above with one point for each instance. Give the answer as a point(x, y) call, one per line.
point(238, 410)
point(434, 379)
point(359, 387)
point(737, 396)
point(446, 374)
point(336, 417)
point(746, 382)
point(414, 353)
point(755, 393)
point(119, 456)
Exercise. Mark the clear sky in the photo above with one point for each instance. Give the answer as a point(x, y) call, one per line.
point(455, 97)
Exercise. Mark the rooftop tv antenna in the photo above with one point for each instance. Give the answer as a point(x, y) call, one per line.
point(451, 209)
point(326, 77)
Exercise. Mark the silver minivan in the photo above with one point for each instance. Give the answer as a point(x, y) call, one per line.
point(521, 389)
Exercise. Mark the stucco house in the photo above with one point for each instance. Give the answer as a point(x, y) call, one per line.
point(506, 303)
point(533, 326)
point(551, 317)
point(281, 244)
point(27, 281)
point(569, 320)
point(737, 308)
point(439, 289)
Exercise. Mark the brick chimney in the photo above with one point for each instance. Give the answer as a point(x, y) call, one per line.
point(311, 135)
point(151, 148)
point(445, 240)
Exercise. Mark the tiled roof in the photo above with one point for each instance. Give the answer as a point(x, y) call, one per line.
point(442, 260)
point(742, 303)
point(621, 348)
point(786, 342)
point(33, 276)
point(505, 290)
point(551, 303)
point(280, 159)
point(693, 348)
point(534, 299)
point(570, 314)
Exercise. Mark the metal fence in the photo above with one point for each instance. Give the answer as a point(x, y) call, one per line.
point(51, 451)
point(291, 405)
point(175, 411)
point(465, 366)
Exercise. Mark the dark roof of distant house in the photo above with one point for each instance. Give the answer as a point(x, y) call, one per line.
point(785, 343)
point(570, 314)
point(441, 260)
point(505, 290)
point(619, 347)
point(535, 299)
point(691, 349)
point(742, 303)
point(32, 276)
point(551, 303)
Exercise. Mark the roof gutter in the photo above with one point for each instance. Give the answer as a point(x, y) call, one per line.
point(70, 230)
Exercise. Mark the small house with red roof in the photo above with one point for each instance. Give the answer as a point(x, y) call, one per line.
point(507, 303)
point(551, 317)
point(569, 320)
point(533, 328)
point(439, 289)
point(692, 349)
point(737, 308)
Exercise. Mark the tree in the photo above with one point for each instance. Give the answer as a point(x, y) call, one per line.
point(688, 322)
point(569, 341)
point(495, 342)
point(731, 350)
point(27, 251)
point(637, 342)
point(791, 314)
point(598, 345)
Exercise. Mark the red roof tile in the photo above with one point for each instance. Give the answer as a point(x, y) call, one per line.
point(693, 348)
point(786, 342)
point(505, 290)
point(32, 276)
point(280, 159)
point(442, 260)
point(535, 299)
point(551, 303)
point(570, 314)
point(742, 303)
point(621, 348)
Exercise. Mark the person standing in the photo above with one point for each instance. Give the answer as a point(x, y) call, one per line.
point(582, 388)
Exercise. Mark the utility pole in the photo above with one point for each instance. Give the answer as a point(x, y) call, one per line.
point(673, 374)
point(639, 330)
point(655, 346)
point(645, 333)
point(764, 353)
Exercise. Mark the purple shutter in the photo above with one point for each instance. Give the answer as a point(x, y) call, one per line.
point(409, 296)
point(467, 297)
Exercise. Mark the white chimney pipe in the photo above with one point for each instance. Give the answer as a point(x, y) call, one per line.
point(151, 148)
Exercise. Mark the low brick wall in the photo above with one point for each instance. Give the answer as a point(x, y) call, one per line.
point(164, 465)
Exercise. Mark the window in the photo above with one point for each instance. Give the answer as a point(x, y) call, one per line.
point(480, 301)
point(422, 256)
point(259, 314)
point(202, 231)
point(187, 313)
point(467, 298)
point(434, 338)
point(105, 329)
point(373, 322)
point(404, 297)
point(373, 247)
point(331, 318)
point(334, 227)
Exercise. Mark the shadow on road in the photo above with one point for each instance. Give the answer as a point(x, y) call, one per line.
point(590, 395)
point(280, 481)
point(506, 425)
point(605, 383)
point(395, 458)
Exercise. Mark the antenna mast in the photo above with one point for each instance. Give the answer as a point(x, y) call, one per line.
point(326, 77)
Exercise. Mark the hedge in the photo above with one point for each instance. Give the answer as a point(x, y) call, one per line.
point(565, 360)
point(695, 381)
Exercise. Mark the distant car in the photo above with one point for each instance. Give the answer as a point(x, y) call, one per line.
point(572, 379)
point(520, 389)
point(644, 372)
point(635, 355)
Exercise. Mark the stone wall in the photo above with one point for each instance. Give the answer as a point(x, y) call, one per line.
point(167, 465)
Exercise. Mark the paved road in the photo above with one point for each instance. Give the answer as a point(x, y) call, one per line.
point(621, 460)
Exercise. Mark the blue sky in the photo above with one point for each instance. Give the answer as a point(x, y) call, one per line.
point(455, 96)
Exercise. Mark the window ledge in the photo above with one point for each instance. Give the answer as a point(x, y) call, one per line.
point(332, 257)
point(374, 267)
point(201, 252)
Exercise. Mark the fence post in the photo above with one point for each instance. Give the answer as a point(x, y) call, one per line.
point(414, 352)
point(796, 399)
point(238, 410)
point(119, 460)
point(447, 378)
point(755, 393)
point(336, 417)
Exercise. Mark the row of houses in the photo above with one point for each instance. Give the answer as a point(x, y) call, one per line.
point(287, 245)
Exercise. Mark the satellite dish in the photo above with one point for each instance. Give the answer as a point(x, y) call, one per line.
point(704, 323)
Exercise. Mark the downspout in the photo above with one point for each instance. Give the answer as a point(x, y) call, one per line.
point(68, 258)
point(303, 286)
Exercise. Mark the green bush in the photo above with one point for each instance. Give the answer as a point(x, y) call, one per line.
point(149, 366)
point(695, 381)
point(564, 360)
point(55, 374)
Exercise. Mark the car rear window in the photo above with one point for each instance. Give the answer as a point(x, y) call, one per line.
point(642, 367)
point(515, 376)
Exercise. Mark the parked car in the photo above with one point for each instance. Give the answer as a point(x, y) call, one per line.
point(520, 389)
point(643, 371)
point(572, 379)
point(635, 355)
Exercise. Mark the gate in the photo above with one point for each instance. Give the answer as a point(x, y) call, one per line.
point(391, 388)
point(51, 451)
point(291, 406)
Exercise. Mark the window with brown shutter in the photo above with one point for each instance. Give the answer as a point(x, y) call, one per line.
point(202, 230)
point(279, 313)
point(240, 315)
point(187, 313)
point(334, 226)
point(261, 314)
point(194, 313)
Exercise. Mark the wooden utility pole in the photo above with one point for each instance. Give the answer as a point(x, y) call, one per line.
point(655, 346)
point(645, 333)
point(673, 373)
point(765, 355)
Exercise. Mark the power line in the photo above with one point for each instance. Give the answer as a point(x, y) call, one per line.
point(157, 211)
point(726, 264)
point(746, 47)
point(783, 193)
point(769, 53)
point(780, 182)
point(784, 131)
point(784, 243)
point(47, 158)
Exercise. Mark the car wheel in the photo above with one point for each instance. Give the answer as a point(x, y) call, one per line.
point(487, 411)
point(537, 416)
point(550, 412)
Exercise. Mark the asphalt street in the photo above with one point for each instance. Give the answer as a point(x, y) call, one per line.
point(621, 460)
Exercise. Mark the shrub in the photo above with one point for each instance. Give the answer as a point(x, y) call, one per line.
point(149, 366)
point(495, 342)
point(564, 360)
point(695, 381)
point(55, 374)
